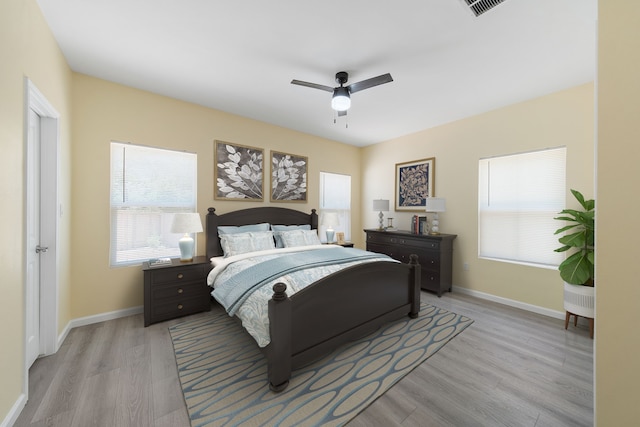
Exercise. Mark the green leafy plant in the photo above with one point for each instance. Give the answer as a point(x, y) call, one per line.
point(578, 268)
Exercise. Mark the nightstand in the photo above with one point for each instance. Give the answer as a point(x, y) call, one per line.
point(176, 289)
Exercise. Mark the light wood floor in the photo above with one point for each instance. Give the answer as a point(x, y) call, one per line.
point(510, 368)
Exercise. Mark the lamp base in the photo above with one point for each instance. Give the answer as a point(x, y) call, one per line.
point(330, 235)
point(186, 248)
point(434, 225)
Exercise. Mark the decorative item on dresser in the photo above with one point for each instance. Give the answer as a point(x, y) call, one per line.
point(176, 289)
point(435, 205)
point(381, 206)
point(435, 254)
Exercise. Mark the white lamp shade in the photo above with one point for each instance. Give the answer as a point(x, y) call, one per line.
point(330, 219)
point(436, 204)
point(380, 205)
point(186, 223)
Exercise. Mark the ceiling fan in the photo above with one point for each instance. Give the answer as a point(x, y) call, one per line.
point(341, 100)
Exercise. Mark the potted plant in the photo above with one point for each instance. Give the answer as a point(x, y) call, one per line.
point(577, 270)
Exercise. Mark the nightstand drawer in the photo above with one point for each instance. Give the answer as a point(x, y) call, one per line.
point(174, 290)
point(185, 273)
point(172, 308)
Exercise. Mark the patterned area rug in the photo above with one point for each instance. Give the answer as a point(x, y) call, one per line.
point(224, 374)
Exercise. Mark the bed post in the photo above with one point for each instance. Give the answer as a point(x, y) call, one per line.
point(279, 353)
point(414, 283)
point(314, 219)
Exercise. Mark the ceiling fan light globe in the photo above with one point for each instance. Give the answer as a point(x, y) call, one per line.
point(340, 103)
point(341, 100)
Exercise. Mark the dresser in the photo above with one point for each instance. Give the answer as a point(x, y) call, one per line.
point(435, 253)
point(176, 289)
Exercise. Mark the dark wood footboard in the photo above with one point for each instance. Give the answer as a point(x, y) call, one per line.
point(338, 308)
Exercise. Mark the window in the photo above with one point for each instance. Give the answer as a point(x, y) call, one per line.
point(518, 197)
point(148, 185)
point(335, 196)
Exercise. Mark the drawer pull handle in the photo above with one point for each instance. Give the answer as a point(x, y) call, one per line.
point(180, 276)
point(180, 290)
point(179, 306)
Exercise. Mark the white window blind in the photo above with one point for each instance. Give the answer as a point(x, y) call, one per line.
point(518, 197)
point(148, 186)
point(335, 196)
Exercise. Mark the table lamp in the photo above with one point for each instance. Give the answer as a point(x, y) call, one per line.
point(186, 223)
point(435, 205)
point(329, 220)
point(380, 205)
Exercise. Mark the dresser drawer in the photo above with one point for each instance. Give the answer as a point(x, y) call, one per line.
point(408, 240)
point(185, 273)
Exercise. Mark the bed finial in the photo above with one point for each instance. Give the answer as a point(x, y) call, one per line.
point(211, 210)
point(279, 292)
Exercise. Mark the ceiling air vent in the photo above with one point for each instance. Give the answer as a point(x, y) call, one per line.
point(478, 7)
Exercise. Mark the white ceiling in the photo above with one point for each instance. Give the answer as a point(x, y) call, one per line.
point(240, 56)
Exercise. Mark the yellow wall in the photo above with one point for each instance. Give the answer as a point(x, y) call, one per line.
point(104, 112)
point(617, 345)
point(27, 48)
point(564, 118)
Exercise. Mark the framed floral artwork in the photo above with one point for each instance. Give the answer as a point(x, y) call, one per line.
point(288, 177)
point(238, 174)
point(414, 183)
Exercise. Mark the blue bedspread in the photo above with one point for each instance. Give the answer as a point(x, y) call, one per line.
point(236, 289)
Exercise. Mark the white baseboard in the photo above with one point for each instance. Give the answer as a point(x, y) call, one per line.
point(15, 411)
point(97, 318)
point(512, 303)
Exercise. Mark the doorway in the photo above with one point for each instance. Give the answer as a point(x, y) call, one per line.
point(42, 211)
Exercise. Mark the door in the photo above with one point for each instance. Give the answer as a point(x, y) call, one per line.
point(32, 279)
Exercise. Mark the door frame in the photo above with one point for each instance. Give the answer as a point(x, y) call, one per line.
point(51, 210)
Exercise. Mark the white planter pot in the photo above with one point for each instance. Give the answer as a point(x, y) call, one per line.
point(579, 300)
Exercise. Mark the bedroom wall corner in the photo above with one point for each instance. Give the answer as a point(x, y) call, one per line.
point(562, 118)
point(28, 49)
point(129, 115)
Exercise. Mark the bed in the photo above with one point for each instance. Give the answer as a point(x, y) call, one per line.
point(335, 309)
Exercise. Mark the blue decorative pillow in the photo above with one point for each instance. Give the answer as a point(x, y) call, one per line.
point(231, 229)
point(295, 238)
point(279, 229)
point(240, 243)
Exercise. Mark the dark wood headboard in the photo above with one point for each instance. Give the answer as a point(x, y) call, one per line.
point(272, 215)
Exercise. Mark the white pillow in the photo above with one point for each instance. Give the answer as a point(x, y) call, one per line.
point(294, 238)
point(216, 260)
point(240, 243)
point(279, 229)
point(232, 229)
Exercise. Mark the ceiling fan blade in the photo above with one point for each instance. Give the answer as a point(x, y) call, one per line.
point(366, 84)
point(342, 113)
point(312, 85)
